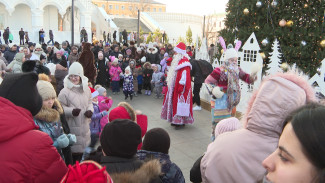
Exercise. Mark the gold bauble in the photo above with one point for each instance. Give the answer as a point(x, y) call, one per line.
point(263, 55)
point(246, 11)
point(322, 43)
point(289, 23)
point(306, 6)
point(222, 51)
point(284, 66)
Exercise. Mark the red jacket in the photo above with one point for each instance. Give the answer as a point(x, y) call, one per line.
point(27, 154)
point(142, 121)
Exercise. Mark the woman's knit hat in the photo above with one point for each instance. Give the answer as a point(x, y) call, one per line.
point(227, 125)
point(121, 138)
point(19, 57)
point(87, 171)
point(45, 88)
point(115, 60)
point(101, 90)
point(156, 140)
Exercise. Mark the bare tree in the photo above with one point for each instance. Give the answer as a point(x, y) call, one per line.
point(135, 5)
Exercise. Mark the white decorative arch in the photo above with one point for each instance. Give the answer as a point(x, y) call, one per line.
point(52, 3)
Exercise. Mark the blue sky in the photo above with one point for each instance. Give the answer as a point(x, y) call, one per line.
point(200, 7)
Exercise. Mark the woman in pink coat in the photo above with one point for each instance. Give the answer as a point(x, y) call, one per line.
point(237, 156)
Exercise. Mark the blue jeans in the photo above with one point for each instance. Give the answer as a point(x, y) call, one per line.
point(115, 86)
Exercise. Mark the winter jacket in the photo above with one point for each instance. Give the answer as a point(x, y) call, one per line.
point(147, 173)
point(55, 60)
point(115, 54)
point(73, 57)
point(27, 154)
point(60, 74)
point(128, 83)
point(196, 72)
point(103, 106)
point(135, 74)
point(119, 165)
point(16, 66)
point(170, 172)
point(9, 55)
point(142, 121)
point(237, 156)
point(95, 120)
point(153, 57)
point(3, 66)
point(124, 65)
point(147, 75)
point(114, 72)
point(156, 77)
point(48, 121)
point(72, 98)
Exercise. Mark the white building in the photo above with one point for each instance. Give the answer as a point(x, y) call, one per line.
point(55, 15)
point(176, 24)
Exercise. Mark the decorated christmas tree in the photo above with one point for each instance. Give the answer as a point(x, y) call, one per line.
point(299, 27)
point(275, 56)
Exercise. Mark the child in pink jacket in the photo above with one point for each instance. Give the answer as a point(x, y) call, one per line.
point(104, 103)
point(115, 72)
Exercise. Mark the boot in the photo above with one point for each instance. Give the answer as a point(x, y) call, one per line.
point(146, 92)
point(149, 92)
point(126, 96)
point(131, 96)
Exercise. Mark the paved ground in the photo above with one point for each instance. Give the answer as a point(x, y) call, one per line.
point(188, 143)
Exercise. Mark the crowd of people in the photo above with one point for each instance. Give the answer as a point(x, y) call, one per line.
point(58, 123)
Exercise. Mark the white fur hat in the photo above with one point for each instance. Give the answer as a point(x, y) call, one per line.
point(231, 53)
point(139, 49)
point(115, 60)
point(76, 69)
point(38, 46)
point(143, 59)
point(120, 55)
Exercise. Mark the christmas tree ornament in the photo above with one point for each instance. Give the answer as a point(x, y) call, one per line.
point(222, 51)
point(282, 22)
point(289, 23)
point(262, 55)
point(274, 3)
point(306, 6)
point(265, 42)
point(303, 43)
point(257, 27)
point(246, 11)
point(319, 71)
point(259, 4)
point(322, 43)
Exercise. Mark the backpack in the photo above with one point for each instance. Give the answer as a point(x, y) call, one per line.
point(205, 67)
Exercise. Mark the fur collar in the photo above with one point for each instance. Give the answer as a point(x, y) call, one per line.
point(50, 115)
point(145, 174)
point(155, 50)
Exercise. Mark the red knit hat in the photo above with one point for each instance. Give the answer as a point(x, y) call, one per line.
point(87, 171)
point(180, 48)
point(118, 113)
point(169, 61)
point(163, 49)
point(94, 93)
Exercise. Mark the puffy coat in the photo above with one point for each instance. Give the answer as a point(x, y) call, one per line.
point(10, 55)
point(237, 156)
point(71, 98)
point(95, 120)
point(27, 154)
point(60, 74)
point(114, 72)
point(103, 106)
point(73, 57)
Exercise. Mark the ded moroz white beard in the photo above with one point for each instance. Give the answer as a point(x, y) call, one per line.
point(171, 75)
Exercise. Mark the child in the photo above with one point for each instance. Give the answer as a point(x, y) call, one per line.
point(104, 103)
point(48, 119)
point(114, 72)
point(147, 76)
point(94, 125)
point(128, 87)
point(140, 79)
point(156, 77)
point(163, 83)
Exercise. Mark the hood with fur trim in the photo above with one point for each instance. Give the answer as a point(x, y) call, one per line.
point(129, 109)
point(148, 172)
point(145, 65)
point(277, 97)
point(50, 115)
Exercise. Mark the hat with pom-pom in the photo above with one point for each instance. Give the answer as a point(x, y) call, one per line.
point(94, 93)
point(87, 171)
point(180, 48)
point(45, 88)
point(227, 125)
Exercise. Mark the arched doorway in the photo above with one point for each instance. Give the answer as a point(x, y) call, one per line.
point(66, 21)
point(3, 17)
point(51, 18)
point(22, 11)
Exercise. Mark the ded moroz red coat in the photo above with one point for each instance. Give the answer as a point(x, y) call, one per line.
point(182, 87)
point(27, 154)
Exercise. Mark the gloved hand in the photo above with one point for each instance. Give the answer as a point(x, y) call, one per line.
point(72, 139)
point(62, 141)
point(104, 113)
point(76, 112)
point(217, 92)
point(88, 114)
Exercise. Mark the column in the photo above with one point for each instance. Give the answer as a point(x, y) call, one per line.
point(37, 24)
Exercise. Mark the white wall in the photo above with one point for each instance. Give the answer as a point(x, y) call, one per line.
point(50, 20)
point(176, 24)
